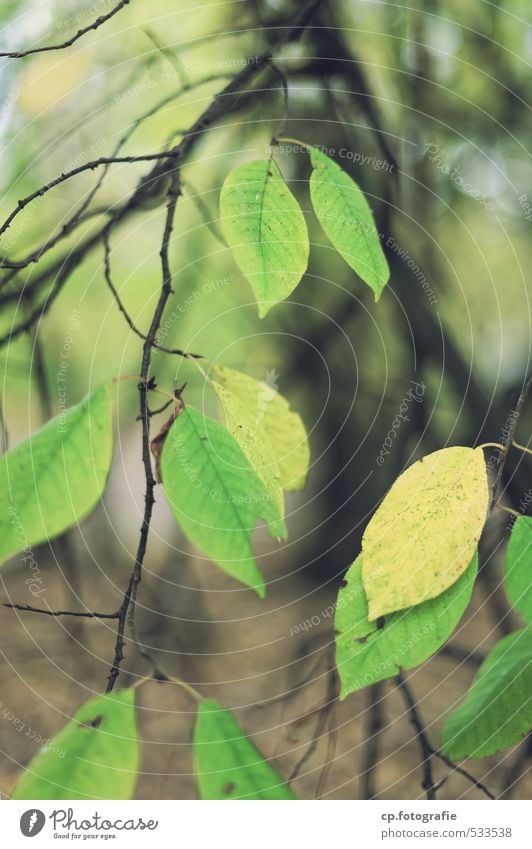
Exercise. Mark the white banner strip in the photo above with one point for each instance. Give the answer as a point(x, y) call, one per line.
point(240, 825)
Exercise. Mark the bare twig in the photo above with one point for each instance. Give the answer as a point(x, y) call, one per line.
point(86, 614)
point(503, 456)
point(228, 100)
point(109, 280)
point(374, 727)
point(19, 54)
point(127, 608)
point(67, 175)
point(426, 750)
point(463, 772)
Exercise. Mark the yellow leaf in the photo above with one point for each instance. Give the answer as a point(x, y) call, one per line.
point(425, 532)
point(257, 450)
point(268, 414)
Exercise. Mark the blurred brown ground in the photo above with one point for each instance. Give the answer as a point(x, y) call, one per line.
point(235, 648)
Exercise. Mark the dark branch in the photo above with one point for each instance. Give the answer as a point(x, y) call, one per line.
point(503, 456)
point(67, 175)
point(19, 54)
point(426, 750)
point(127, 608)
point(373, 730)
point(461, 771)
point(86, 614)
point(129, 320)
point(228, 100)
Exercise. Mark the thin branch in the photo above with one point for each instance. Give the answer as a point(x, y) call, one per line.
point(41, 377)
point(426, 750)
point(463, 772)
point(373, 730)
point(324, 714)
point(114, 292)
point(109, 280)
point(503, 456)
point(522, 448)
point(127, 608)
point(80, 215)
point(224, 103)
point(67, 175)
point(19, 54)
point(88, 615)
point(281, 129)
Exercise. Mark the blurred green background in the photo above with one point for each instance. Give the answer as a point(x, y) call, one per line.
point(427, 107)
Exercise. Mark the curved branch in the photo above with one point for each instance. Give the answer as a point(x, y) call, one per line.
point(20, 54)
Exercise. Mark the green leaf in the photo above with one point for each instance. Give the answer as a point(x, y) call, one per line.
point(518, 567)
point(265, 229)
point(257, 413)
point(96, 756)
point(346, 218)
point(52, 480)
point(215, 494)
point(228, 766)
point(425, 532)
point(367, 652)
point(497, 711)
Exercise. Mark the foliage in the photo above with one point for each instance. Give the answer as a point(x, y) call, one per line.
point(228, 766)
point(54, 479)
point(406, 592)
point(265, 229)
point(96, 756)
point(367, 652)
point(423, 535)
point(518, 571)
point(497, 711)
point(344, 214)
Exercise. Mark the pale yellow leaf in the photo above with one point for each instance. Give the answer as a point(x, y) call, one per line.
point(425, 532)
point(257, 450)
point(268, 414)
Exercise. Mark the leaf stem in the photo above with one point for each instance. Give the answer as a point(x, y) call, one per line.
point(521, 447)
point(291, 140)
